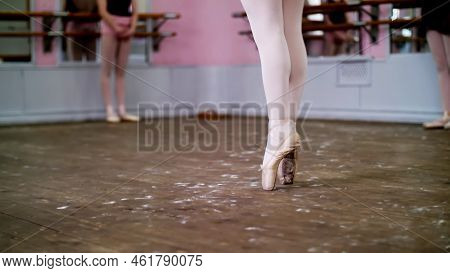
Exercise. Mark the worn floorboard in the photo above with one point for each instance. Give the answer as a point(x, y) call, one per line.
point(86, 187)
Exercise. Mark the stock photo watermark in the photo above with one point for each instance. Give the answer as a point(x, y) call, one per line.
point(208, 128)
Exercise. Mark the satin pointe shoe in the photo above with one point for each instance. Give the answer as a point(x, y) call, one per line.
point(273, 157)
point(289, 166)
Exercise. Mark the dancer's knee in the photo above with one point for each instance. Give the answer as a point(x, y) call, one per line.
point(442, 66)
point(120, 72)
point(105, 72)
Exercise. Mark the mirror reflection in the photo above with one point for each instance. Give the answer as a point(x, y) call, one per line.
point(15, 48)
point(80, 48)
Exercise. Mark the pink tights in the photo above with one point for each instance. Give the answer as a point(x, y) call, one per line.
point(440, 48)
point(114, 52)
point(277, 29)
point(276, 26)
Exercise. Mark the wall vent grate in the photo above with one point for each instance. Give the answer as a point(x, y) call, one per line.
point(354, 73)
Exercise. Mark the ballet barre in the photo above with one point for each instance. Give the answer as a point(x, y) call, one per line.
point(346, 7)
point(315, 26)
point(82, 34)
point(371, 26)
point(357, 6)
point(152, 21)
point(397, 23)
point(21, 16)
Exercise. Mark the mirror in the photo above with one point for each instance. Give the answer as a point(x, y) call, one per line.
point(407, 40)
point(80, 49)
point(87, 49)
point(329, 43)
point(15, 49)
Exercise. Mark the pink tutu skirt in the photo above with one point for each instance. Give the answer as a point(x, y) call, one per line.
point(123, 22)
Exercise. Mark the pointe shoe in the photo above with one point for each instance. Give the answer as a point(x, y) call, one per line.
point(288, 166)
point(270, 168)
point(129, 117)
point(112, 119)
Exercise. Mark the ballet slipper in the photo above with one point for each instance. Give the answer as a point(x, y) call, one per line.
point(288, 166)
point(272, 160)
point(129, 117)
point(112, 118)
point(447, 125)
point(437, 124)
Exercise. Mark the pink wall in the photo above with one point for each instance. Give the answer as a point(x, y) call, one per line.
point(380, 50)
point(42, 58)
point(207, 34)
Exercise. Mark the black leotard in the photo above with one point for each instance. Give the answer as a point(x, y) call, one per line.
point(75, 6)
point(436, 15)
point(337, 17)
point(119, 7)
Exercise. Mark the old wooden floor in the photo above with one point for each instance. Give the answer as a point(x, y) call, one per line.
point(361, 188)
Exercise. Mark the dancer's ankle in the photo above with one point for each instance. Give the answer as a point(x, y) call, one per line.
point(446, 114)
point(278, 131)
point(122, 110)
point(277, 121)
point(286, 126)
point(110, 111)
